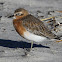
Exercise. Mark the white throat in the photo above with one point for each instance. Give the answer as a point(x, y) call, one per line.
point(14, 17)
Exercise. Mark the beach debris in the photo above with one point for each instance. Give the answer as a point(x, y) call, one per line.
point(51, 21)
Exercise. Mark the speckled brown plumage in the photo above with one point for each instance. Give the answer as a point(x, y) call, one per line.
point(27, 22)
point(35, 26)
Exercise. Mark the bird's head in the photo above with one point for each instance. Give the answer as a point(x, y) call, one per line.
point(20, 13)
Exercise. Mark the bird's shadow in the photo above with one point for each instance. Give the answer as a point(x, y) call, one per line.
point(17, 44)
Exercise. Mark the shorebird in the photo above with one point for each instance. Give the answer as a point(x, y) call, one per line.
point(31, 28)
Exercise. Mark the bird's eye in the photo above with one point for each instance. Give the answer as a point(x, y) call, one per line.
point(18, 14)
point(21, 14)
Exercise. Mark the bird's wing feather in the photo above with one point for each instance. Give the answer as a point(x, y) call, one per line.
point(35, 26)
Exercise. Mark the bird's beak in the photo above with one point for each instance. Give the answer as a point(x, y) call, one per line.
point(11, 16)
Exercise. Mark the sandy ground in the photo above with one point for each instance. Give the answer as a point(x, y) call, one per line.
point(11, 44)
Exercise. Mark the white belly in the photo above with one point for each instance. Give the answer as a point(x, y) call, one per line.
point(33, 37)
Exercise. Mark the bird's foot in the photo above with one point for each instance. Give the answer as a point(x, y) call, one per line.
point(27, 51)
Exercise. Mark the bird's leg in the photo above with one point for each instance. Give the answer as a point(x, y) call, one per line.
point(31, 45)
point(27, 50)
